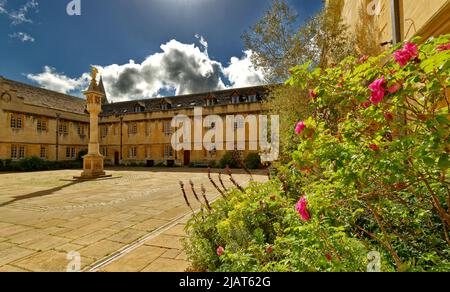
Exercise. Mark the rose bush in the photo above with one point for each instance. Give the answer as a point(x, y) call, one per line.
point(371, 173)
point(379, 155)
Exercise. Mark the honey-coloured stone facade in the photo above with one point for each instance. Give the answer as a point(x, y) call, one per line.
point(35, 122)
point(423, 18)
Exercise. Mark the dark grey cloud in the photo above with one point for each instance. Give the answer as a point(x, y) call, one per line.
point(126, 83)
point(186, 71)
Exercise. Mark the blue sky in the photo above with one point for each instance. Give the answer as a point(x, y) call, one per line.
point(142, 47)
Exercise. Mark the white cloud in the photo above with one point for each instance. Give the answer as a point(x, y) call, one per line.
point(21, 15)
point(2, 7)
point(242, 73)
point(202, 42)
point(183, 68)
point(22, 36)
point(180, 67)
point(50, 79)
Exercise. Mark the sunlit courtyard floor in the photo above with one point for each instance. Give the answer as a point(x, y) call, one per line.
point(131, 222)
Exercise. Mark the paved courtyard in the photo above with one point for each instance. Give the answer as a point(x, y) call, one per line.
point(131, 222)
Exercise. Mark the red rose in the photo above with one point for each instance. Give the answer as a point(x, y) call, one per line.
point(389, 116)
point(313, 94)
point(374, 147)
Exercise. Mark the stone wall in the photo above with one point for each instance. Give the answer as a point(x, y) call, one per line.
point(418, 17)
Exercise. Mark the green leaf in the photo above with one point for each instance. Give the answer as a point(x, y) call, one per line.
point(444, 161)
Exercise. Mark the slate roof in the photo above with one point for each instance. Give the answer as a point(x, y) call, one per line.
point(47, 98)
point(189, 101)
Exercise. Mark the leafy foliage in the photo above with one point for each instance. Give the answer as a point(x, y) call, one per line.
point(371, 170)
point(279, 43)
point(380, 169)
point(228, 159)
point(260, 231)
point(253, 161)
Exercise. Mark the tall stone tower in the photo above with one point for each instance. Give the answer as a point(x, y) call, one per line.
point(93, 162)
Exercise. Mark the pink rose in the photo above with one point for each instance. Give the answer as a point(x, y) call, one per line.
point(301, 208)
point(378, 90)
point(411, 49)
point(366, 104)
point(394, 88)
point(300, 127)
point(220, 251)
point(442, 48)
point(363, 59)
point(403, 56)
point(377, 97)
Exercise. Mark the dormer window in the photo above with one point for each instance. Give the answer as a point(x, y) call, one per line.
point(235, 99)
point(252, 98)
point(139, 108)
point(210, 100)
point(166, 106)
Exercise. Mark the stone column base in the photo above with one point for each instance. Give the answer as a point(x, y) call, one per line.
point(93, 166)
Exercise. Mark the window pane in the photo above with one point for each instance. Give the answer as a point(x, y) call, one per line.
point(13, 121)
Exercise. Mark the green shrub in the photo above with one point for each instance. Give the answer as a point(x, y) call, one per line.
point(228, 159)
point(253, 161)
point(7, 165)
point(38, 164)
point(33, 163)
point(203, 164)
point(260, 231)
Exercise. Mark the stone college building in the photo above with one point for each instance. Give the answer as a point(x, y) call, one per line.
point(36, 122)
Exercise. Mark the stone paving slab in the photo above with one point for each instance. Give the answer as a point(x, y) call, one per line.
point(136, 260)
point(167, 265)
point(166, 241)
point(162, 253)
point(100, 249)
point(44, 216)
